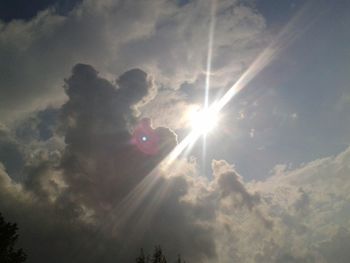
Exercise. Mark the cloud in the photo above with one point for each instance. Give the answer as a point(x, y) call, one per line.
point(94, 174)
point(86, 180)
point(102, 188)
point(309, 207)
point(11, 154)
point(82, 191)
point(229, 182)
point(337, 248)
point(97, 116)
point(163, 40)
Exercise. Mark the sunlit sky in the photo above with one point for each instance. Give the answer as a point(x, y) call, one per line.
point(296, 109)
point(217, 129)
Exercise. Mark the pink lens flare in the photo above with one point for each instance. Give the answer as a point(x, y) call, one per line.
point(145, 137)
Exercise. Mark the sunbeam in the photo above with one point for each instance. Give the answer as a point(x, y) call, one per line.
point(289, 34)
point(207, 77)
point(126, 209)
point(203, 121)
point(164, 131)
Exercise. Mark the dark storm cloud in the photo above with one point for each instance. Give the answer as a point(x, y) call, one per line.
point(99, 168)
point(96, 118)
point(133, 86)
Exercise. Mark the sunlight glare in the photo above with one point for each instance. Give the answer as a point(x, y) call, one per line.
point(203, 121)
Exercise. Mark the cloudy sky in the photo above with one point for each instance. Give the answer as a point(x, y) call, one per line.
point(217, 129)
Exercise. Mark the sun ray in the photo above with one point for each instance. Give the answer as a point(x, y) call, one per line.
point(127, 208)
point(210, 53)
point(121, 212)
point(208, 70)
point(288, 35)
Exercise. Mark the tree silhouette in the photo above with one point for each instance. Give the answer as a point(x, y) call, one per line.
point(8, 239)
point(157, 257)
point(141, 258)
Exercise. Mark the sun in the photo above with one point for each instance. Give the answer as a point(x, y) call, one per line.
point(203, 121)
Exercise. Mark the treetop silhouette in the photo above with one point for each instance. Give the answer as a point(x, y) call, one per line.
point(8, 239)
point(157, 257)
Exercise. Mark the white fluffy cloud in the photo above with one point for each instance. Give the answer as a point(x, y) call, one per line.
point(311, 205)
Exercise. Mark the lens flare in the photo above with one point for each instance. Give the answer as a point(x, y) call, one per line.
point(203, 121)
point(145, 138)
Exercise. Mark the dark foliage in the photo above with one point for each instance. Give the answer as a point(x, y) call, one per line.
point(8, 239)
point(157, 257)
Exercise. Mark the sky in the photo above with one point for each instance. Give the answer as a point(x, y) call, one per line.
point(96, 97)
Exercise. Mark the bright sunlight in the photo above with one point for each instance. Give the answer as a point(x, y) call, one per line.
point(203, 121)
